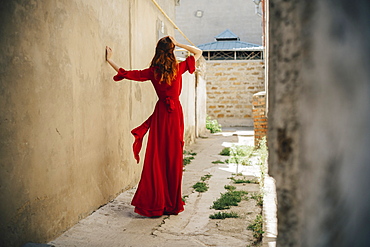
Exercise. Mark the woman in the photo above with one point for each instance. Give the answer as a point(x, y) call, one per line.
point(159, 189)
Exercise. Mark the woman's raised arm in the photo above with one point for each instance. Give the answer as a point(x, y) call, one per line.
point(196, 51)
point(108, 57)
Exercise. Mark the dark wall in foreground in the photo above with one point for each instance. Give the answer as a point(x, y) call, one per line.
point(319, 118)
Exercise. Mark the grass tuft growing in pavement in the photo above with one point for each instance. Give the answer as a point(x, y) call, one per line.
point(184, 198)
point(256, 227)
point(187, 159)
point(229, 187)
point(225, 152)
point(206, 177)
point(258, 197)
point(189, 153)
point(237, 174)
point(243, 181)
point(218, 162)
point(230, 198)
point(200, 187)
point(213, 125)
point(223, 215)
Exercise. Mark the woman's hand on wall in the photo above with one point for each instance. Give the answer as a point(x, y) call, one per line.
point(108, 58)
point(108, 53)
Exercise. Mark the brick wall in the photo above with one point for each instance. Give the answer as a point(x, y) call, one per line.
point(259, 117)
point(230, 89)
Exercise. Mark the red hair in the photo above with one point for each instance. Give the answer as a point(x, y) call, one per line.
point(164, 61)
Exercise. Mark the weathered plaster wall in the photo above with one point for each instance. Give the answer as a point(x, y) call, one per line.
point(319, 115)
point(230, 89)
point(193, 100)
point(187, 101)
point(65, 125)
point(201, 97)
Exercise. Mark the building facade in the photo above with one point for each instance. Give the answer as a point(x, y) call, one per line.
point(202, 20)
point(235, 71)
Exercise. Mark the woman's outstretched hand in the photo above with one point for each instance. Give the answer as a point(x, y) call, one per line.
point(108, 56)
point(108, 53)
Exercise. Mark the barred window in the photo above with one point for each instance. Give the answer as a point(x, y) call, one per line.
point(233, 55)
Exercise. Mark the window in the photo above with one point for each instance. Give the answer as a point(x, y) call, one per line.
point(233, 55)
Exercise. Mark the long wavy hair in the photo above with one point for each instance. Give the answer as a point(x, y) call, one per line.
point(164, 61)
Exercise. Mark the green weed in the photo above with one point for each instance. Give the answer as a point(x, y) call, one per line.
point(237, 174)
point(258, 197)
point(184, 198)
point(242, 150)
point(218, 162)
point(243, 181)
point(240, 154)
point(246, 162)
point(189, 153)
point(206, 177)
point(256, 227)
point(213, 125)
point(229, 187)
point(230, 198)
point(223, 215)
point(200, 187)
point(263, 154)
point(262, 149)
point(187, 160)
point(225, 151)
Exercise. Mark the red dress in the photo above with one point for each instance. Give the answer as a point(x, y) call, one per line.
point(159, 189)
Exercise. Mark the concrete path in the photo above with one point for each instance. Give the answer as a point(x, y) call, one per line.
point(115, 224)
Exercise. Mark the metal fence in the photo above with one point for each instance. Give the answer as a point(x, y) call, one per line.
point(233, 55)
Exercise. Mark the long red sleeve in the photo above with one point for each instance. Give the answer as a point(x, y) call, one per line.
point(136, 75)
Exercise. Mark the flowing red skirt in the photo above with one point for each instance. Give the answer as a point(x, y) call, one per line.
point(159, 189)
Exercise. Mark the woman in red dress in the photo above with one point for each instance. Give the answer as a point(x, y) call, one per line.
point(159, 189)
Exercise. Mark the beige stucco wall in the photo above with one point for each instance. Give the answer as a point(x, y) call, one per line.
point(187, 101)
point(230, 89)
point(193, 99)
point(65, 125)
point(201, 97)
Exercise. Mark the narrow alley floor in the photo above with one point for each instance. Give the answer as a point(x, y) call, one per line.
point(115, 224)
